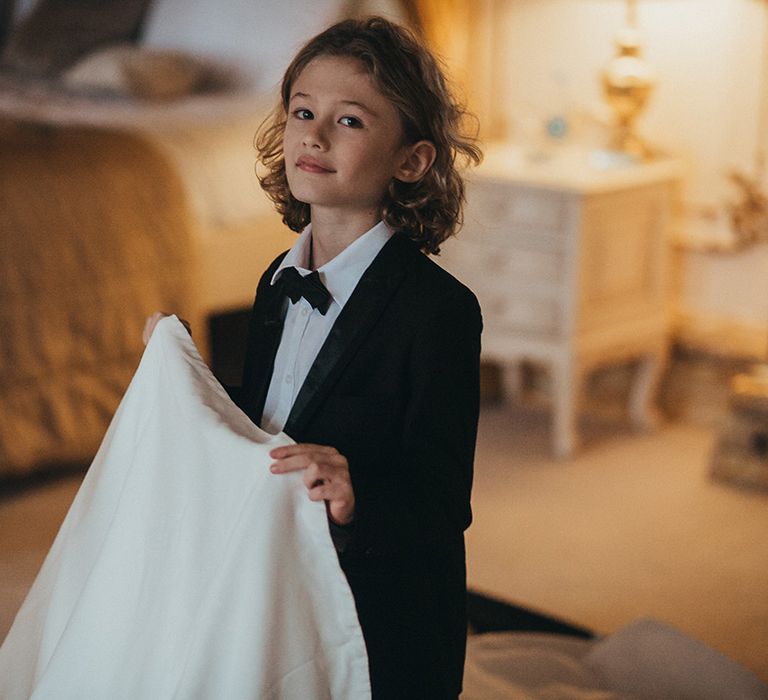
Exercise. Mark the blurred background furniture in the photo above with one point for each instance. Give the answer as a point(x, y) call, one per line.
point(644, 660)
point(741, 453)
point(569, 258)
point(127, 185)
point(102, 224)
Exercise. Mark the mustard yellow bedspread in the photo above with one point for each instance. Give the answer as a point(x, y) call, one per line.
point(94, 235)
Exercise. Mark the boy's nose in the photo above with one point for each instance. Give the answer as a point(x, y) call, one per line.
point(315, 136)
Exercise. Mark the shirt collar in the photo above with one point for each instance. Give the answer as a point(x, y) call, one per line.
point(341, 274)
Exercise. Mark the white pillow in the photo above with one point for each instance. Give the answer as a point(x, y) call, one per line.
point(653, 661)
point(130, 71)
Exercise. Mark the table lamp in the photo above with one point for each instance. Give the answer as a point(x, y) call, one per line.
point(627, 83)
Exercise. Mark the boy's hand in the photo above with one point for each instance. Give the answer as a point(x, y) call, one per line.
point(326, 476)
point(151, 322)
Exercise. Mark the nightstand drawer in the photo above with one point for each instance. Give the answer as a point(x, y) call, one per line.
point(480, 265)
point(499, 209)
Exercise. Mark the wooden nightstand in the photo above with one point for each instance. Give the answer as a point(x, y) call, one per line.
point(569, 261)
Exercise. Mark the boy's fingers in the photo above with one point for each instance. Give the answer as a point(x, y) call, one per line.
point(333, 494)
point(327, 463)
point(316, 474)
point(150, 323)
point(313, 476)
point(321, 492)
point(300, 448)
point(295, 462)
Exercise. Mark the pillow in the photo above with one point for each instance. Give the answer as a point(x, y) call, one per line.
point(57, 32)
point(653, 661)
point(129, 71)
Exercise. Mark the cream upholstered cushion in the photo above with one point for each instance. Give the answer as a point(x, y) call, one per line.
point(650, 660)
point(131, 71)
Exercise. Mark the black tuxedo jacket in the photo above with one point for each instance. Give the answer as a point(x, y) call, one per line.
point(395, 389)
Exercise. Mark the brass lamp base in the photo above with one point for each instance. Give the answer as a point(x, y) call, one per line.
point(627, 83)
point(625, 140)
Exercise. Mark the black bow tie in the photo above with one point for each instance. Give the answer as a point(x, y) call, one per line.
point(310, 287)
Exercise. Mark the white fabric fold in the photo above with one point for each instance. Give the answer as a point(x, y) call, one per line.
point(184, 568)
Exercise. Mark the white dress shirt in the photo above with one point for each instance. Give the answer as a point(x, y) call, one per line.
point(305, 329)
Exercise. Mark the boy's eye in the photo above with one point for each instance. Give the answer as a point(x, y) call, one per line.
point(352, 122)
point(303, 114)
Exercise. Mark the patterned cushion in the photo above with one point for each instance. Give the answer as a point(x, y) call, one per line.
point(131, 71)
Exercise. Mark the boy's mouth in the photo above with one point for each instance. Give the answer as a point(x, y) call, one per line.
point(312, 165)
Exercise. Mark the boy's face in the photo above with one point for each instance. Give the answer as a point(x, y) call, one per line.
point(343, 140)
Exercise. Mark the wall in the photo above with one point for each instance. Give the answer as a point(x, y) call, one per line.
point(258, 37)
point(708, 56)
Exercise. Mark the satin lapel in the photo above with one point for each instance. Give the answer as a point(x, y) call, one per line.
point(264, 334)
point(361, 311)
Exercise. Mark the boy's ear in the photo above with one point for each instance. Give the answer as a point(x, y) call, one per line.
point(417, 160)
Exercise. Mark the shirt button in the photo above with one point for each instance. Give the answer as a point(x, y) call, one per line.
point(289, 379)
point(305, 312)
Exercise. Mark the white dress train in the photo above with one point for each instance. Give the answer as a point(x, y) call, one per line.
point(184, 569)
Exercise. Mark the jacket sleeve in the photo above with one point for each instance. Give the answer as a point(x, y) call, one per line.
point(442, 414)
point(428, 496)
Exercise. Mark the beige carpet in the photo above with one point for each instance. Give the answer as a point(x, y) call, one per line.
point(632, 527)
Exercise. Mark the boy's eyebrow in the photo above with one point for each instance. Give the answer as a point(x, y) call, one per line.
point(361, 105)
point(353, 103)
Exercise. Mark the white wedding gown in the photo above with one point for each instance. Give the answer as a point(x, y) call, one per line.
point(184, 568)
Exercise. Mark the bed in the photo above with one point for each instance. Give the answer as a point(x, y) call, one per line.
point(104, 220)
point(127, 185)
point(646, 660)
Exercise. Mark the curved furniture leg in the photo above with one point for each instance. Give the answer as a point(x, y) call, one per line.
point(642, 412)
point(565, 390)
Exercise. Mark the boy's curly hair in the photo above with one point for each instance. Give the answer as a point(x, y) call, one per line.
point(427, 211)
